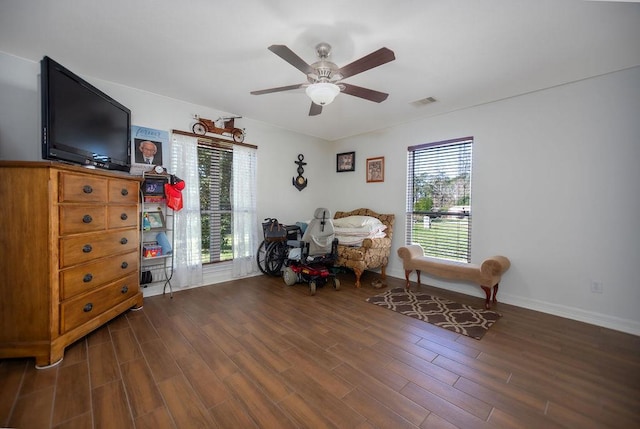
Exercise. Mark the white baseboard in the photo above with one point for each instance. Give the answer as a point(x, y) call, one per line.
point(591, 317)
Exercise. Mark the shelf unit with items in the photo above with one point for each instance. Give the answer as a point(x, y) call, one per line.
point(157, 233)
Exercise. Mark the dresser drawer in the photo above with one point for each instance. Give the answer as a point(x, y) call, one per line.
point(84, 218)
point(123, 191)
point(122, 216)
point(83, 308)
point(82, 188)
point(82, 278)
point(87, 247)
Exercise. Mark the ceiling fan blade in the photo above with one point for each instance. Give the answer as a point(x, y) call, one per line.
point(278, 89)
point(315, 109)
point(367, 94)
point(374, 59)
point(291, 57)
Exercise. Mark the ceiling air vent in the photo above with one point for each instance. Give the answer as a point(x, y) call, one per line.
point(424, 101)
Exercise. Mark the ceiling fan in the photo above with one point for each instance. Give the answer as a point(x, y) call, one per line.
point(325, 77)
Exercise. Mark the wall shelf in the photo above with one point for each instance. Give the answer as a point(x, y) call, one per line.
point(156, 269)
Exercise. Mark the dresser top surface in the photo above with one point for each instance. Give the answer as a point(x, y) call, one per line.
point(68, 167)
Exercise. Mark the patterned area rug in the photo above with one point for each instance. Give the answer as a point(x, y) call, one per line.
point(441, 312)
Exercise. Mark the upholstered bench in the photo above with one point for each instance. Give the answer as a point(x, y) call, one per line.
point(487, 274)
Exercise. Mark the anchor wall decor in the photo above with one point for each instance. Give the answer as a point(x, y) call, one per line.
point(300, 182)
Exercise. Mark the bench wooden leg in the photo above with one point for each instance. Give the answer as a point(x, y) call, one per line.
point(406, 276)
point(487, 292)
point(490, 298)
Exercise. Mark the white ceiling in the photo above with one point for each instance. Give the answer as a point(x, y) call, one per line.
point(213, 53)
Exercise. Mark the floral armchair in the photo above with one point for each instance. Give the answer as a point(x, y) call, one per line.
point(373, 253)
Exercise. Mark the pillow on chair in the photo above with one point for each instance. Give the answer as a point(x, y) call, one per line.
point(355, 221)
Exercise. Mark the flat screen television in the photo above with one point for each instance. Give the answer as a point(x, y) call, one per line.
point(81, 124)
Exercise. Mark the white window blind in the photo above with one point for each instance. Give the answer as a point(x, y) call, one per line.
point(439, 198)
point(215, 167)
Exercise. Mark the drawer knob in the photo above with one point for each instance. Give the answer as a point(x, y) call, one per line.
point(124, 192)
point(124, 216)
point(87, 189)
point(124, 289)
point(87, 277)
point(124, 240)
point(87, 219)
point(88, 307)
point(124, 265)
point(87, 248)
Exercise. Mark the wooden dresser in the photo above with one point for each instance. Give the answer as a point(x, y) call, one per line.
point(69, 255)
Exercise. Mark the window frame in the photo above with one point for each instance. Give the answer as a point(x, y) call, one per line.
point(446, 227)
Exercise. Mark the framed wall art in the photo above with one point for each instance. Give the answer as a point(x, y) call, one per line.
point(375, 169)
point(146, 148)
point(346, 162)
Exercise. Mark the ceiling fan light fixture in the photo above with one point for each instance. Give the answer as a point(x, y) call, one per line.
point(322, 93)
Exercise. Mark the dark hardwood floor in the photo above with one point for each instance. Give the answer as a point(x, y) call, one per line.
point(256, 353)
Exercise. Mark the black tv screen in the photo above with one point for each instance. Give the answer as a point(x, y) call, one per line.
point(80, 123)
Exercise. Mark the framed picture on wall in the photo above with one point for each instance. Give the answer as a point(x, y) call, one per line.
point(147, 145)
point(375, 169)
point(346, 162)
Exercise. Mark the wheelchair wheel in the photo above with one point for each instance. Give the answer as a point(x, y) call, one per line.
point(312, 287)
point(289, 276)
point(261, 257)
point(276, 254)
point(336, 283)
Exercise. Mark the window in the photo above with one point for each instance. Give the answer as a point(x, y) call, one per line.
point(439, 198)
point(215, 168)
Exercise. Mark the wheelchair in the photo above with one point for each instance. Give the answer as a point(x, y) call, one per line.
point(312, 259)
point(271, 253)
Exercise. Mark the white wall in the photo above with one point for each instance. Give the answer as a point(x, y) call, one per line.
point(277, 148)
point(555, 182)
point(19, 109)
point(556, 188)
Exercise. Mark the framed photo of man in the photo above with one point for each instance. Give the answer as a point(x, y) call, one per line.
point(148, 151)
point(147, 145)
